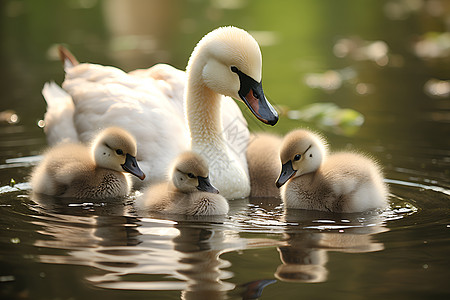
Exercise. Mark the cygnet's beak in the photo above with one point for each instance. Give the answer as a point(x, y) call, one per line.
point(251, 92)
point(287, 171)
point(205, 185)
point(132, 167)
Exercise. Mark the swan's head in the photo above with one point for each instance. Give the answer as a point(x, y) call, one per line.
point(190, 173)
point(301, 152)
point(115, 149)
point(231, 65)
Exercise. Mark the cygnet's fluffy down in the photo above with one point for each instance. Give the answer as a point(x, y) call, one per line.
point(187, 192)
point(75, 170)
point(263, 159)
point(340, 182)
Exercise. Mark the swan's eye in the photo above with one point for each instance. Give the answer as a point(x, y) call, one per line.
point(297, 157)
point(190, 175)
point(234, 69)
point(119, 152)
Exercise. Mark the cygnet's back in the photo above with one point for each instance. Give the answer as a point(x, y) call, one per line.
point(355, 179)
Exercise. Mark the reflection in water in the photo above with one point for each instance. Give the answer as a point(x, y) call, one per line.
point(254, 289)
point(305, 256)
point(185, 253)
point(176, 253)
point(302, 260)
point(203, 272)
point(134, 254)
point(73, 224)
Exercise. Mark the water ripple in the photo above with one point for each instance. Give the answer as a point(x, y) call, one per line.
point(189, 254)
point(421, 186)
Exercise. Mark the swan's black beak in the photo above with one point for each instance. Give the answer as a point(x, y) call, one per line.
point(205, 185)
point(287, 171)
point(251, 92)
point(132, 167)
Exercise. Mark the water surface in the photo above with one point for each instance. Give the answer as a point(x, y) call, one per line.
point(388, 60)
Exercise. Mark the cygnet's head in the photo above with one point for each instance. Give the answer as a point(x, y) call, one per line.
point(301, 152)
point(231, 65)
point(190, 173)
point(115, 149)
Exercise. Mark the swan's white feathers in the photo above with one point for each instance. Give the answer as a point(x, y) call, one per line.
point(150, 104)
point(106, 96)
point(59, 115)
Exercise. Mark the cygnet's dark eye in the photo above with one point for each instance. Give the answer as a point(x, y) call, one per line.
point(191, 175)
point(119, 152)
point(297, 157)
point(234, 69)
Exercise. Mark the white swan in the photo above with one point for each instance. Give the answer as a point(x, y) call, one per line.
point(188, 190)
point(149, 104)
point(341, 182)
point(75, 170)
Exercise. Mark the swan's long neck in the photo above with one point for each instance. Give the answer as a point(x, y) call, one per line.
point(203, 109)
point(203, 112)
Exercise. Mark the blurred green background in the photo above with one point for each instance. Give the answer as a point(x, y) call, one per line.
point(372, 56)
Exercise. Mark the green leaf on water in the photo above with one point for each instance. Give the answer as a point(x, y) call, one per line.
point(329, 116)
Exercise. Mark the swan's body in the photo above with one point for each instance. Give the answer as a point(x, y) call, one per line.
point(152, 105)
point(187, 192)
point(340, 182)
point(147, 106)
point(263, 159)
point(75, 170)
